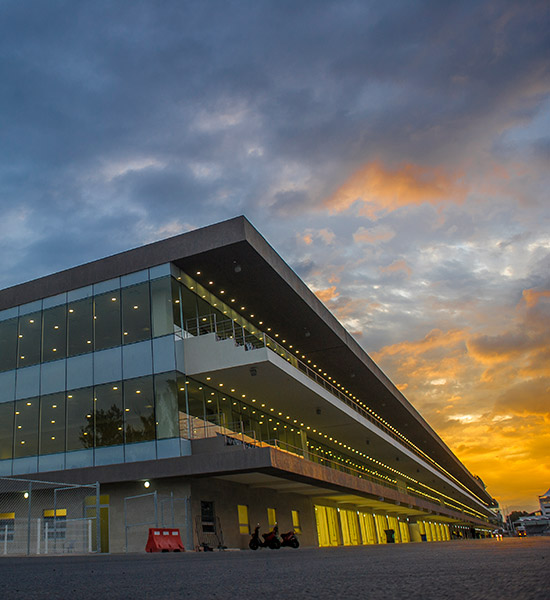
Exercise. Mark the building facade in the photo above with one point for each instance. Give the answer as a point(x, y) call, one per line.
point(201, 371)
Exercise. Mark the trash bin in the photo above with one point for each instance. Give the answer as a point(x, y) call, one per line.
point(390, 536)
point(423, 537)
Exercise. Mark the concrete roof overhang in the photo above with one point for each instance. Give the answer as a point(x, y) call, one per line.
point(238, 259)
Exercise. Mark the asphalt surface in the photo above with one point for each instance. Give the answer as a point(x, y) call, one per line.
point(471, 569)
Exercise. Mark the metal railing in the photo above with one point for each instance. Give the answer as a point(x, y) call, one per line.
point(229, 329)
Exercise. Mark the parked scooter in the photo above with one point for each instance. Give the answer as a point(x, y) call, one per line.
point(271, 539)
point(290, 539)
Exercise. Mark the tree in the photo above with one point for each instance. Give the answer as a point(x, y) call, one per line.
point(515, 515)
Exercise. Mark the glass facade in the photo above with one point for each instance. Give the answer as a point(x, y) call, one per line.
point(84, 376)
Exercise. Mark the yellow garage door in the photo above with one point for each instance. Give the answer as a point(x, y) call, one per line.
point(328, 532)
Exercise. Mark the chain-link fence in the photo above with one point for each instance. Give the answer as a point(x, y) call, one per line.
point(43, 517)
point(155, 510)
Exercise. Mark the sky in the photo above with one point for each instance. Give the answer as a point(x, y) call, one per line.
point(396, 154)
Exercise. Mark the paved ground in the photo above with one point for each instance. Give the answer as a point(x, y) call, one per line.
point(474, 569)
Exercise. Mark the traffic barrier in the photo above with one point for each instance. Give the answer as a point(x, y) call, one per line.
point(164, 540)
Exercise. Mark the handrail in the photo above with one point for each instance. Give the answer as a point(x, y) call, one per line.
point(227, 328)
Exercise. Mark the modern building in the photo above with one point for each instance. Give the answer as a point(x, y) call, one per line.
point(202, 371)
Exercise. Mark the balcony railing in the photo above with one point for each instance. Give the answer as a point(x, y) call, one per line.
point(225, 328)
point(236, 434)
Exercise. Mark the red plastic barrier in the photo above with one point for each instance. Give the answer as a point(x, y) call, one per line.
point(164, 540)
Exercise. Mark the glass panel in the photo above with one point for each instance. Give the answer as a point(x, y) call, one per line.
point(80, 327)
point(166, 405)
point(211, 406)
point(225, 410)
point(136, 317)
point(195, 404)
point(162, 307)
point(6, 430)
point(29, 340)
point(107, 322)
point(54, 339)
point(184, 420)
point(80, 419)
point(139, 414)
point(8, 344)
point(26, 428)
point(108, 414)
point(52, 424)
point(189, 308)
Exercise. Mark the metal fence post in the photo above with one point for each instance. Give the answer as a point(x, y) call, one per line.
point(55, 521)
point(97, 520)
point(29, 520)
point(156, 509)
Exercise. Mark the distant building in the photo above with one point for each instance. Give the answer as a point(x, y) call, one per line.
point(538, 522)
point(544, 502)
point(201, 367)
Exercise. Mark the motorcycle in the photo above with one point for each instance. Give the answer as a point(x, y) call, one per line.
point(290, 539)
point(271, 539)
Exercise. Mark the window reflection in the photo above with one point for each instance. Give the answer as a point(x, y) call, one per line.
point(6, 430)
point(52, 424)
point(26, 428)
point(29, 339)
point(80, 327)
point(162, 307)
point(54, 339)
point(8, 344)
point(139, 414)
point(107, 320)
point(108, 414)
point(80, 419)
point(136, 313)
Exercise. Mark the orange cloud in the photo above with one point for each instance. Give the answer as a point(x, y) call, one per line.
point(397, 265)
point(384, 190)
point(325, 235)
point(531, 297)
point(487, 393)
point(327, 294)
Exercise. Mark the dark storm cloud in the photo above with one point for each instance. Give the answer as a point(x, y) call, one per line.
point(193, 111)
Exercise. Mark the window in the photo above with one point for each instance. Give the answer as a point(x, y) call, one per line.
point(6, 430)
point(52, 424)
point(139, 415)
point(136, 314)
point(271, 517)
point(55, 524)
point(8, 345)
point(7, 527)
point(30, 330)
point(108, 414)
point(54, 336)
point(296, 521)
point(244, 526)
point(80, 325)
point(107, 320)
point(26, 428)
point(80, 419)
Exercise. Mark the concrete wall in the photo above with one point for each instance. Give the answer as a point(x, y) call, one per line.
point(227, 495)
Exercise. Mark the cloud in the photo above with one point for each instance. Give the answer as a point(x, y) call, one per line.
point(397, 266)
point(379, 189)
point(373, 235)
point(327, 294)
point(402, 173)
